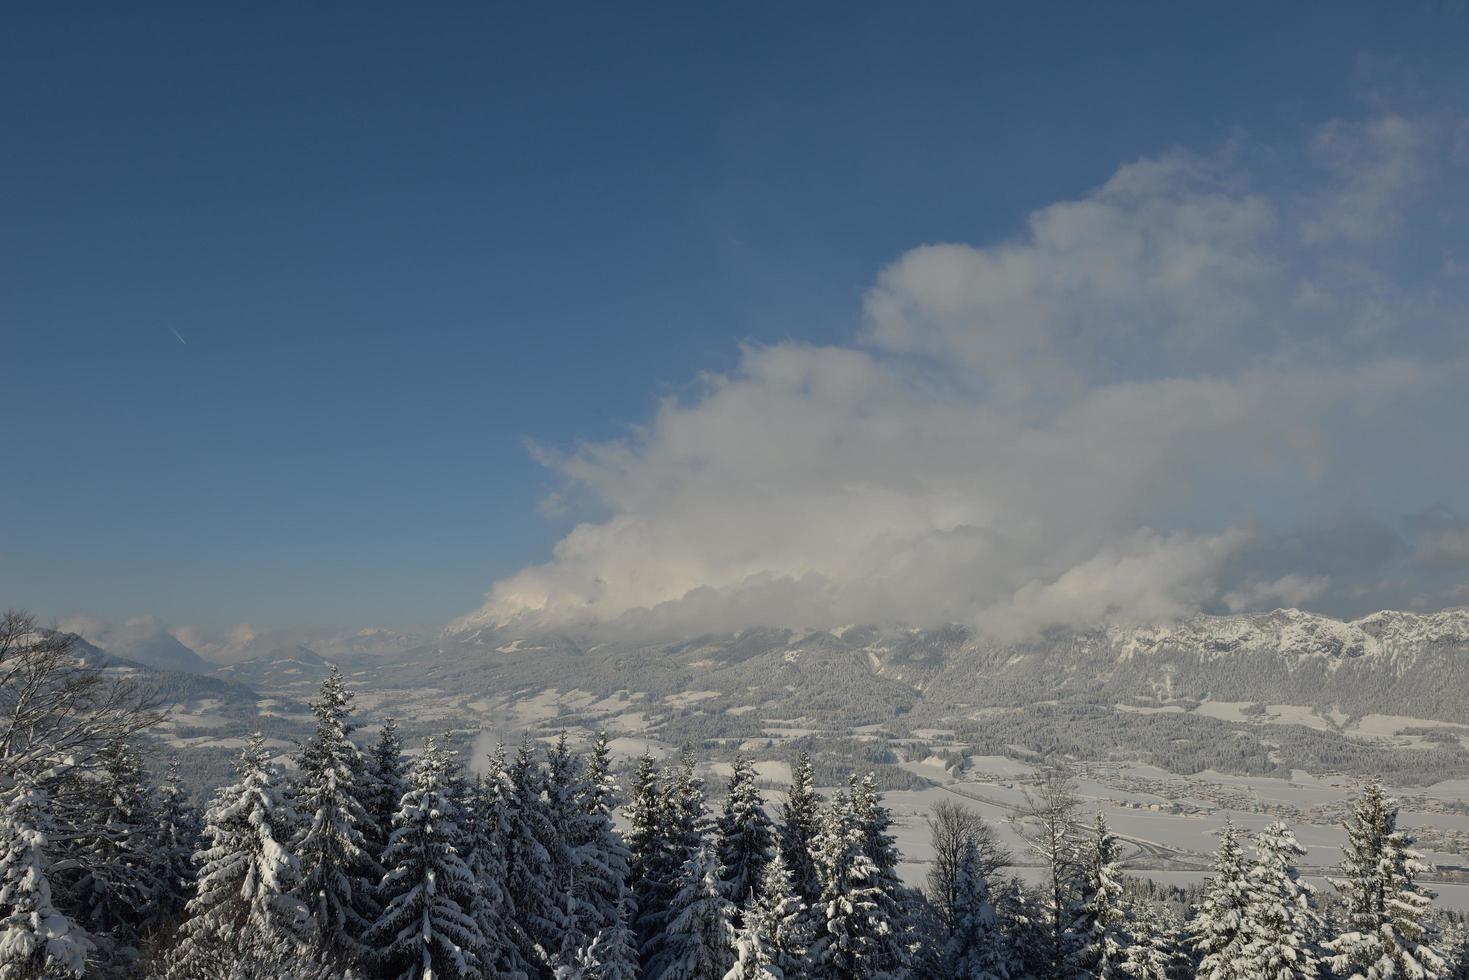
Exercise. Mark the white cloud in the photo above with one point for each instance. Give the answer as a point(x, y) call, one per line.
point(1013, 440)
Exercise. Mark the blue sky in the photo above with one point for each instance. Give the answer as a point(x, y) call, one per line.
point(402, 246)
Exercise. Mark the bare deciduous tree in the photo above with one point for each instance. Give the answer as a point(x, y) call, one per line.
point(57, 713)
point(952, 826)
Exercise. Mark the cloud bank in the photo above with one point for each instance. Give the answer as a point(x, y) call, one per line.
point(1078, 424)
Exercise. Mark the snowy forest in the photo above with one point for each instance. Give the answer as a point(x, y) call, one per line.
point(364, 859)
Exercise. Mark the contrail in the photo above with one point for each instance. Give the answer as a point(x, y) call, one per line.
point(180, 337)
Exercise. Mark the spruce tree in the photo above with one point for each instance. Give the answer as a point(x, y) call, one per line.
point(1217, 930)
point(385, 787)
point(178, 831)
point(425, 931)
point(1154, 951)
point(856, 933)
point(744, 834)
point(538, 913)
point(244, 913)
point(783, 920)
point(1281, 924)
point(683, 820)
point(36, 939)
point(1106, 941)
point(1389, 930)
point(606, 861)
point(800, 823)
point(975, 948)
point(569, 845)
point(700, 937)
point(648, 874)
point(614, 952)
point(491, 908)
point(339, 874)
point(753, 958)
point(115, 878)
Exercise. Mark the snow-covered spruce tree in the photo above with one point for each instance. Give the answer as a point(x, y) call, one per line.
point(604, 878)
point(1102, 911)
point(647, 876)
point(485, 827)
point(386, 785)
point(800, 823)
point(244, 918)
point(975, 949)
point(1058, 938)
point(685, 810)
point(1024, 927)
point(177, 837)
point(112, 877)
point(753, 958)
point(783, 920)
point(1389, 932)
point(425, 930)
point(1282, 927)
point(700, 935)
point(537, 910)
point(744, 833)
point(683, 819)
point(36, 939)
point(339, 874)
point(1217, 929)
point(1154, 949)
point(857, 938)
point(589, 861)
point(875, 820)
point(565, 843)
point(614, 953)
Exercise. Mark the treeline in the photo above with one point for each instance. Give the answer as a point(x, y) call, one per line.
point(364, 863)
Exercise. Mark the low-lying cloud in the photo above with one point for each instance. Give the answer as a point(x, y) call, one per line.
point(1084, 423)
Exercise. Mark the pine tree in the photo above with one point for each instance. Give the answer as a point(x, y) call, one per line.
point(339, 874)
point(1106, 942)
point(975, 948)
point(700, 934)
point(753, 959)
point(425, 931)
point(1390, 933)
point(1281, 923)
point(244, 912)
point(783, 920)
point(800, 823)
point(179, 828)
point(36, 939)
point(744, 834)
point(1217, 930)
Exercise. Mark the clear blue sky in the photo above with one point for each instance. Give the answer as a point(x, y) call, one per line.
point(399, 241)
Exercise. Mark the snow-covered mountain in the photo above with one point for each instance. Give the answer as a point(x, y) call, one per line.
point(1389, 662)
point(1294, 635)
